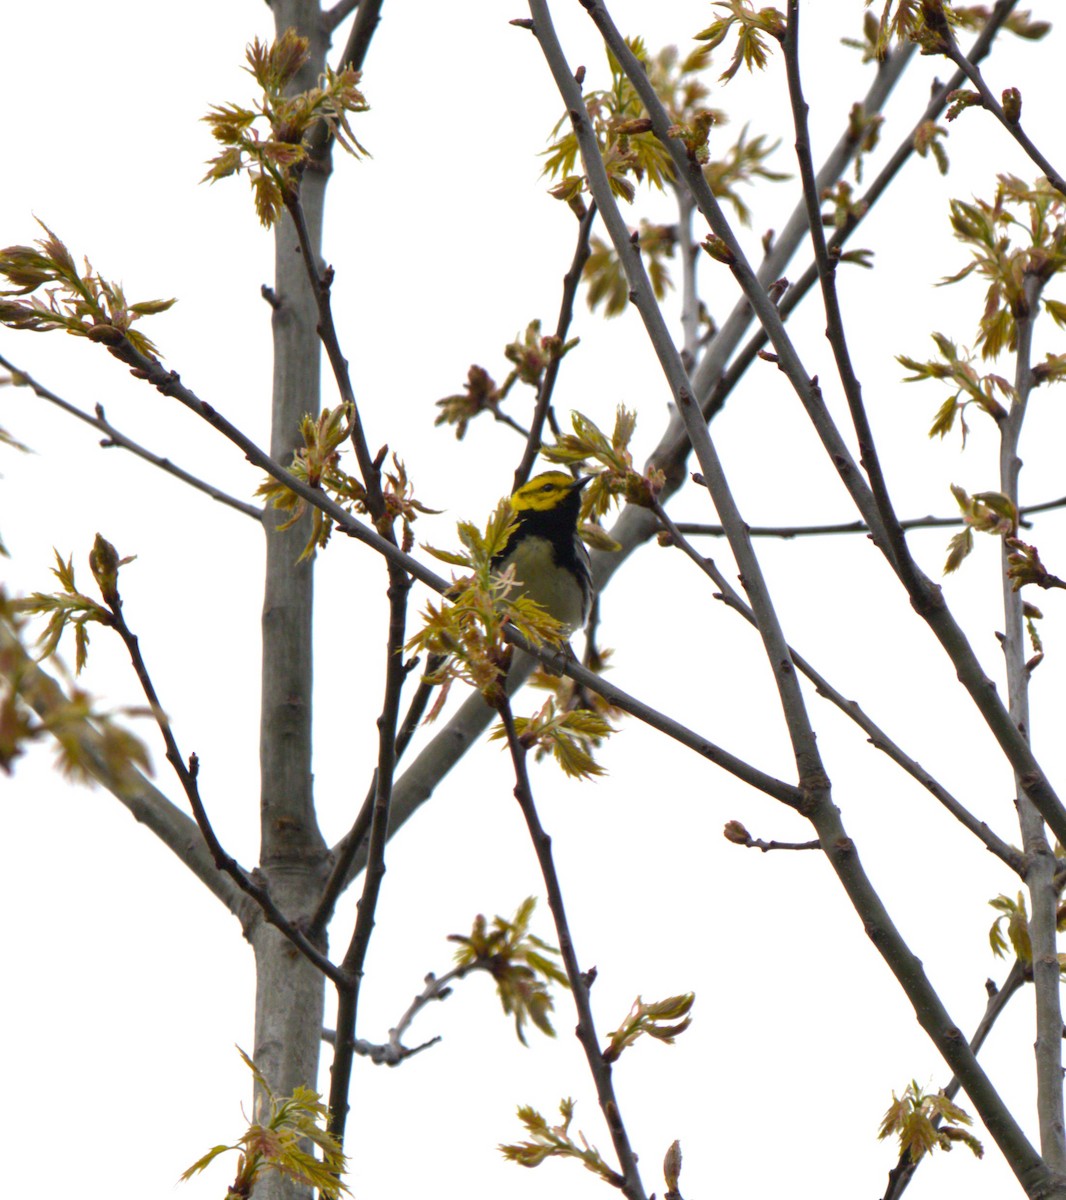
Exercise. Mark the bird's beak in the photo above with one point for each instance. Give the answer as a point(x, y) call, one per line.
point(578, 484)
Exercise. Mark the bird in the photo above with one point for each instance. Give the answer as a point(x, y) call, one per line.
point(551, 564)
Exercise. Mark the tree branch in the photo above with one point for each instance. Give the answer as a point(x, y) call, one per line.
point(808, 761)
point(926, 598)
point(562, 327)
point(580, 982)
point(1012, 126)
point(1040, 858)
point(877, 737)
point(188, 777)
point(902, 1173)
point(355, 958)
point(114, 437)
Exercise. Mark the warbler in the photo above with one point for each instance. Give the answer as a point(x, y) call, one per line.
point(550, 560)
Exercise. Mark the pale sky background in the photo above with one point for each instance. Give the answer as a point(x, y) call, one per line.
point(128, 986)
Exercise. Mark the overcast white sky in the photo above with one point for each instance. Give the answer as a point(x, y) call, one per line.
point(128, 986)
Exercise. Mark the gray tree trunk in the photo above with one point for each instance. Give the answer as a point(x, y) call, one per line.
point(293, 855)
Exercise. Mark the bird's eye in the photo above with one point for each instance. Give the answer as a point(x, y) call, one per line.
point(547, 487)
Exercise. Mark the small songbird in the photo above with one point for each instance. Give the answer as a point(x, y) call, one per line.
point(550, 560)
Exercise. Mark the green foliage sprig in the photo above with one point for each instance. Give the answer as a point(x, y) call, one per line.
point(554, 1141)
point(926, 22)
point(926, 1121)
point(1021, 233)
point(274, 160)
point(569, 735)
point(282, 1141)
point(531, 353)
point(971, 387)
point(615, 477)
point(83, 303)
point(986, 512)
point(318, 463)
point(755, 27)
point(33, 708)
point(521, 963)
point(662, 1020)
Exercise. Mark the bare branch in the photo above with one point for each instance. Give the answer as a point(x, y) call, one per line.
point(114, 437)
point(878, 738)
point(1011, 124)
point(340, 11)
point(580, 982)
point(562, 327)
point(352, 964)
point(188, 777)
point(808, 761)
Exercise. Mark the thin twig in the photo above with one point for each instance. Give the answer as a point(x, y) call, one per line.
point(630, 1183)
point(785, 532)
point(188, 776)
point(562, 327)
point(902, 1173)
point(877, 736)
point(355, 957)
point(115, 437)
point(321, 284)
point(1013, 127)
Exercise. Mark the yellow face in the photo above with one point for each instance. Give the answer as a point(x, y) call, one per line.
point(542, 492)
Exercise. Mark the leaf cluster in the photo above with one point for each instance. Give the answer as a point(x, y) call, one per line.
point(956, 366)
point(570, 736)
point(271, 140)
point(531, 353)
point(1037, 216)
point(662, 1020)
point(1024, 566)
point(83, 303)
point(606, 280)
point(631, 152)
point(617, 477)
point(67, 715)
point(986, 512)
point(554, 1141)
point(755, 27)
point(927, 23)
point(71, 608)
point(317, 463)
point(1014, 918)
point(521, 963)
point(926, 1121)
point(283, 1141)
